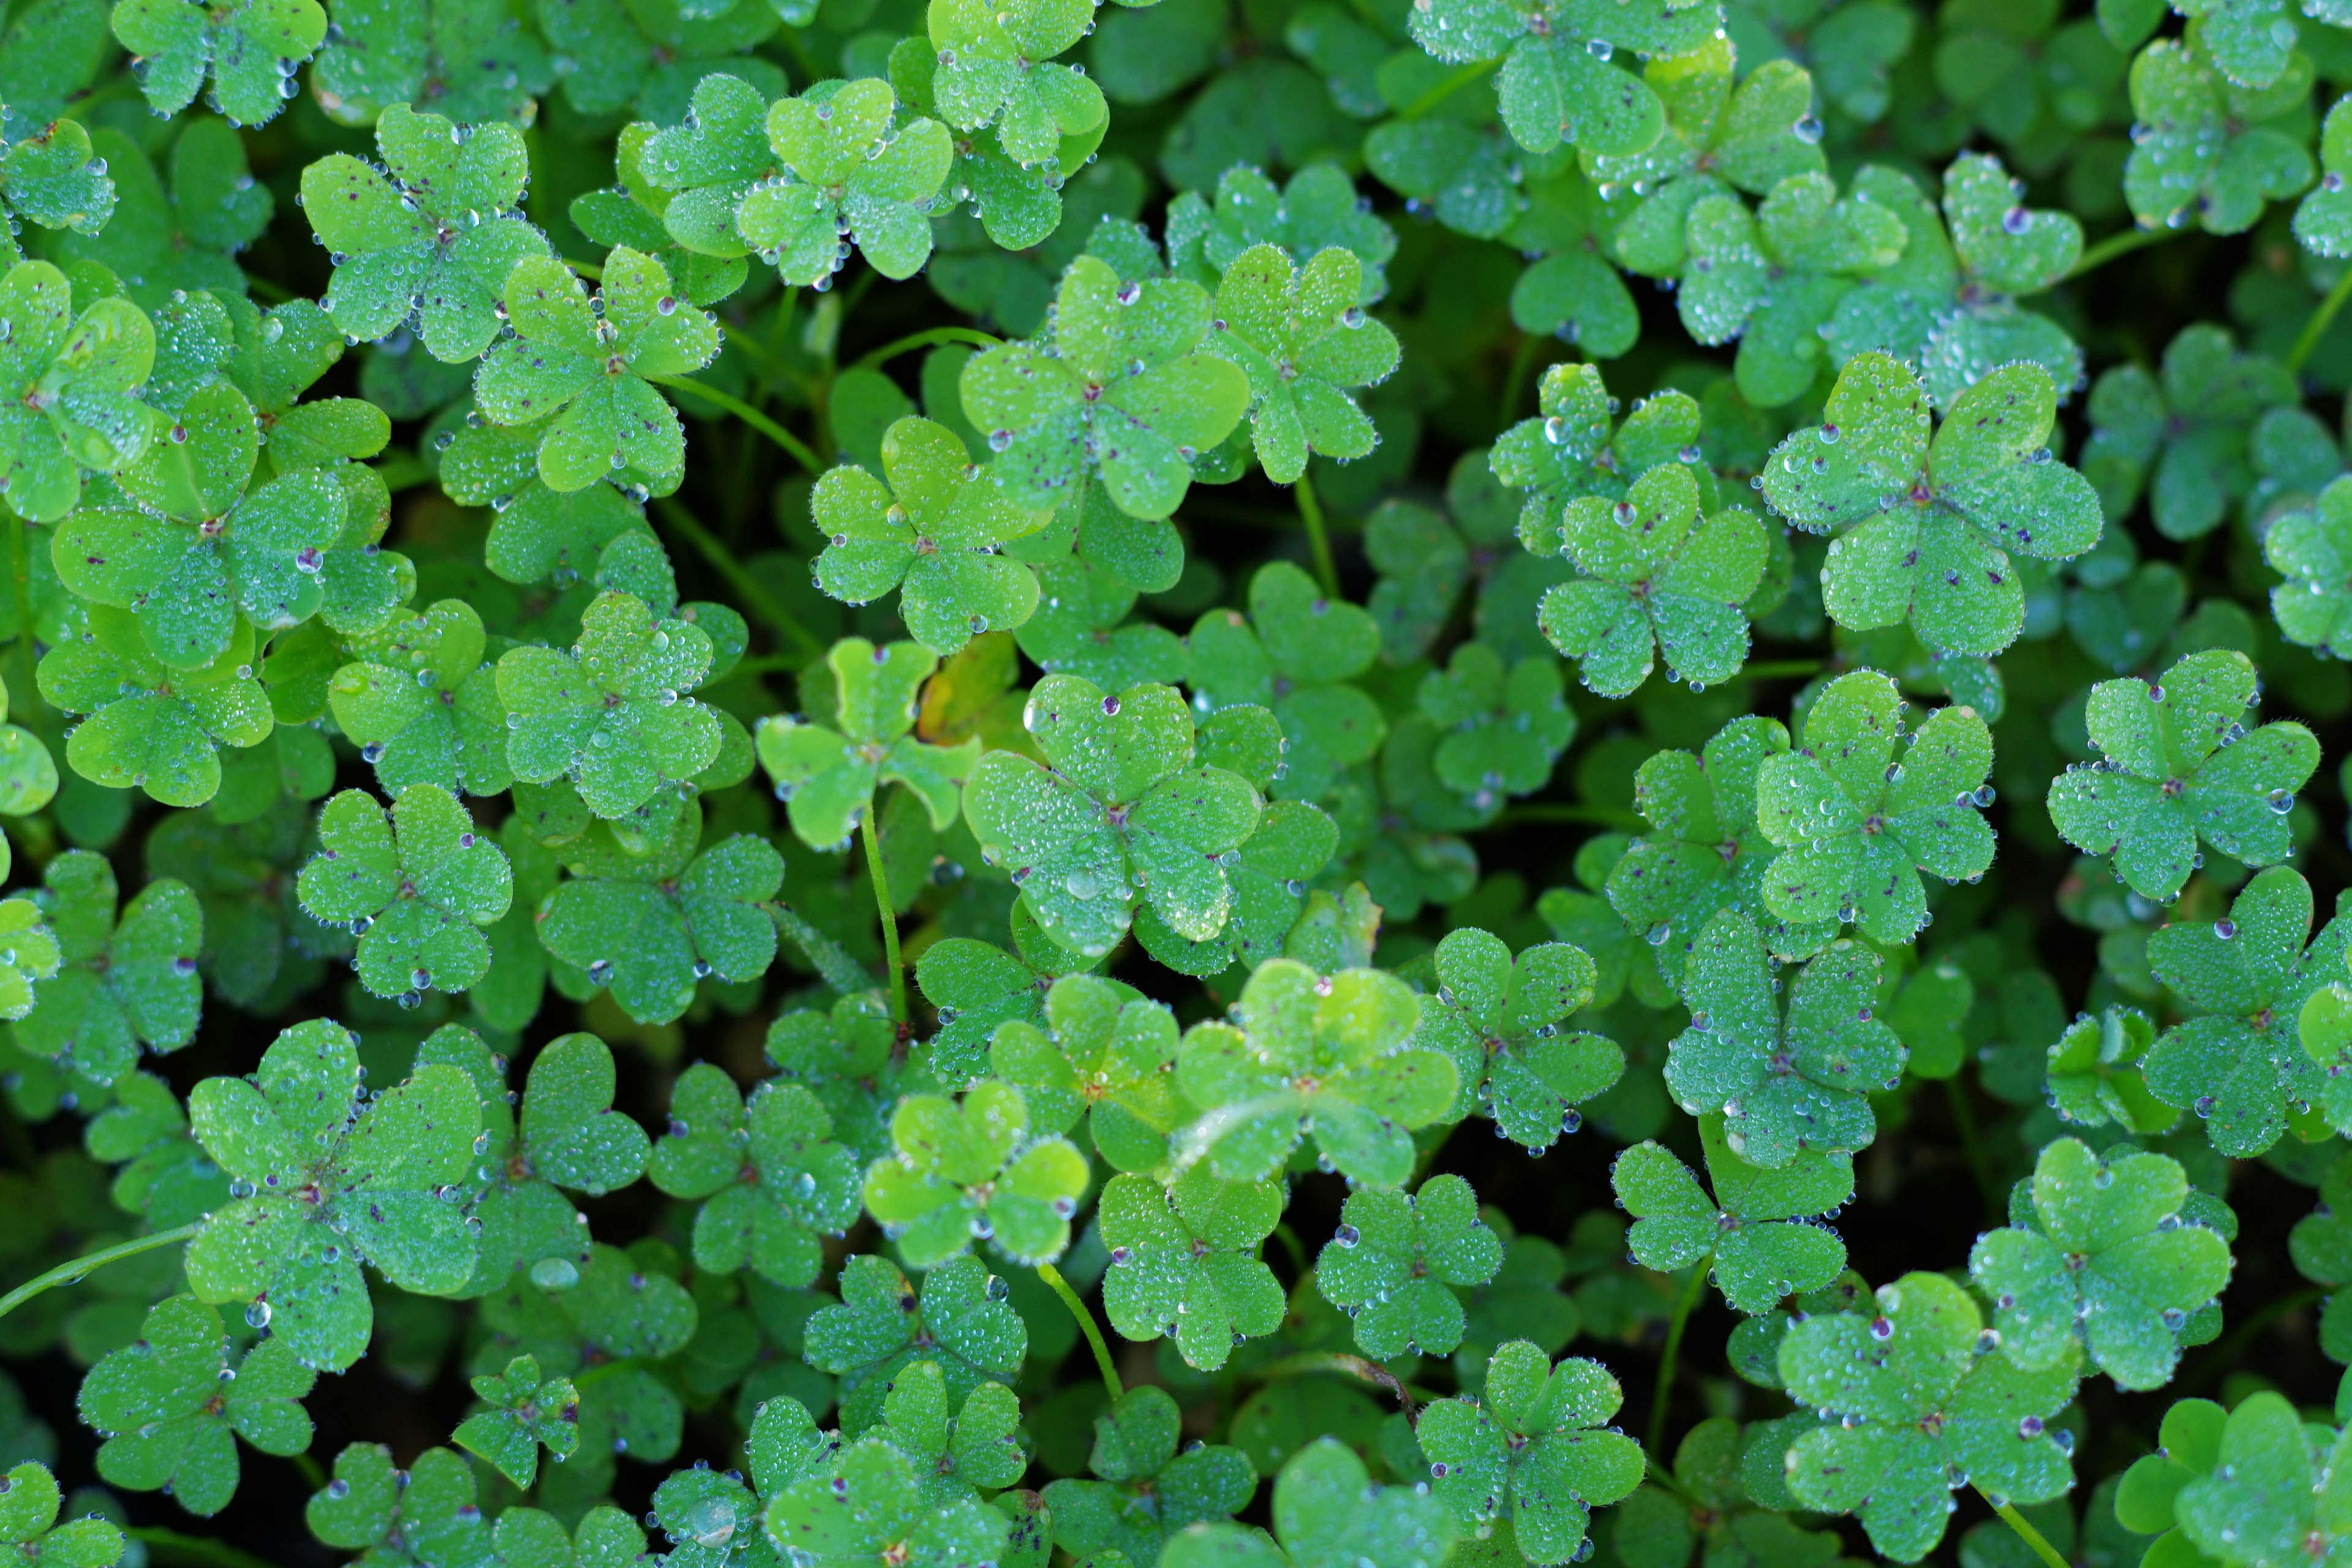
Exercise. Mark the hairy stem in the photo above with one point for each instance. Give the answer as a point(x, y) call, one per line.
point(1460, 78)
point(881, 879)
point(931, 339)
point(2122, 243)
point(2321, 319)
point(1308, 1363)
point(709, 545)
point(1523, 359)
point(790, 443)
point(73, 1273)
point(1674, 1327)
point(840, 971)
point(1061, 1287)
point(2033, 1538)
point(1318, 540)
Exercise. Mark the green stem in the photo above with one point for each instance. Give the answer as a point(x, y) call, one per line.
point(1522, 358)
point(308, 1469)
point(881, 879)
point(1310, 1364)
point(2317, 328)
point(1780, 669)
point(1292, 1245)
point(1327, 570)
point(2025, 1533)
point(800, 450)
point(1591, 816)
point(831, 961)
point(2121, 243)
point(755, 593)
point(1674, 1327)
point(1964, 1119)
point(593, 270)
point(596, 1374)
point(930, 338)
point(1061, 1287)
point(1667, 1480)
point(1438, 93)
point(274, 293)
point(79, 1268)
point(2225, 1350)
point(171, 1547)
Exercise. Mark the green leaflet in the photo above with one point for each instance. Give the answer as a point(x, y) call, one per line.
point(1757, 1232)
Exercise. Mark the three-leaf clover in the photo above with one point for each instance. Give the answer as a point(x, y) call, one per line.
point(582, 371)
point(151, 725)
point(1756, 1234)
point(1304, 339)
point(2179, 767)
point(971, 1171)
point(324, 1182)
point(1335, 1055)
point(1856, 824)
point(1327, 1514)
point(827, 776)
point(1125, 390)
point(422, 704)
point(52, 177)
point(2237, 1060)
point(2207, 146)
point(1656, 578)
point(2274, 1494)
point(881, 1325)
point(1397, 1265)
point(415, 882)
point(1557, 82)
point(859, 173)
point(996, 68)
point(1928, 527)
point(1786, 1082)
point(929, 527)
point(968, 1447)
point(125, 981)
point(2185, 433)
point(2103, 1255)
point(1184, 1262)
point(527, 1411)
point(425, 241)
point(70, 380)
point(612, 713)
point(2310, 547)
point(1531, 1448)
point(1920, 1411)
point(1294, 652)
point(772, 1179)
point(29, 1501)
point(1122, 811)
point(171, 1404)
point(1096, 1051)
point(2095, 1073)
point(250, 49)
point(1147, 1491)
point(873, 1510)
point(1499, 1019)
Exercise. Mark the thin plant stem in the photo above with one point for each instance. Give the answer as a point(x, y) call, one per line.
point(1439, 92)
point(801, 451)
point(308, 1469)
point(1780, 668)
point(178, 1550)
point(602, 1370)
point(931, 339)
point(1964, 1119)
point(2033, 1538)
point(1674, 1327)
point(881, 879)
point(1523, 358)
point(709, 545)
point(1666, 1480)
point(1061, 1287)
point(2225, 1351)
point(1319, 538)
point(1590, 815)
point(593, 270)
point(1292, 1245)
point(2121, 243)
point(1308, 1363)
point(73, 1273)
point(2321, 319)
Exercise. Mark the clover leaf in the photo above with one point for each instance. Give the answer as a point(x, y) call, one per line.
point(971, 1171)
point(163, 1174)
point(1758, 1234)
point(1656, 578)
point(611, 714)
point(322, 1184)
point(1328, 1514)
point(29, 1501)
point(966, 1449)
point(2211, 147)
point(431, 1517)
point(1315, 212)
point(1295, 654)
point(1335, 1055)
point(931, 528)
point(1507, 724)
point(2103, 1257)
point(479, 63)
point(31, 954)
point(157, 243)
point(1397, 1265)
point(1532, 1449)
point(1184, 1262)
point(150, 725)
point(1786, 1081)
point(881, 1326)
point(651, 926)
point(71, 379)
point(1922, 1411)
point(582, 371)
point(996, 68)
point(1575, 446)
point(1147, 1491)
point(171, 1404)
point(1928, 527)
point(51, 176)
point(1304, 341)
point(772, 1179)
point(1556, 83)
point(2311, 548)
point(1126, 391)
point(1096, 1051)
point(874, 1511)
point(2272, 1492)
point(423, 705)
point(527, 1411)
point(1855, 825)
point(2097, 1076)
point(1122, 810)
point(250, 49)
point(859, 173)
point(1499, 1019)
point(2186, 434)
point(2179, 767)
point(426, 241)
point(124, 981)
point(414, 881)
point(2237, 1060)
point(827, 777)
